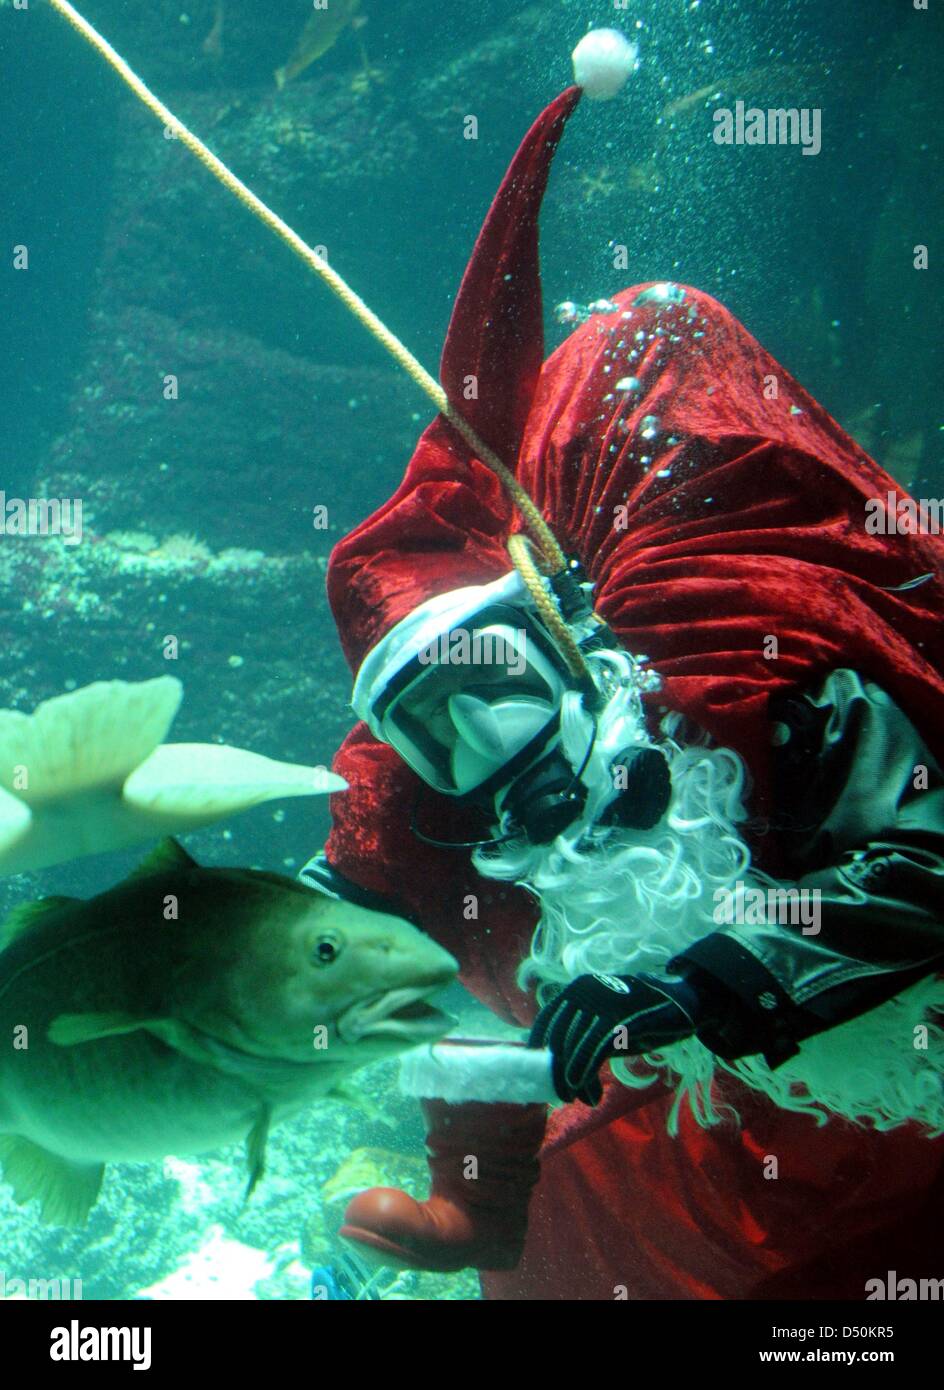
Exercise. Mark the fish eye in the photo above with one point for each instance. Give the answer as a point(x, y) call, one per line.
point(326, 949)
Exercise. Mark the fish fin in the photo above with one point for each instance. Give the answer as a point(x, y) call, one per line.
point(167, 857)
point(175, 1033)
point(256, 1148)
point(348, 1093)
point(190, 784)
point(89, 738)
point(68, 1029)
point(15, 818)
point(66, 1191)
point(31, 915)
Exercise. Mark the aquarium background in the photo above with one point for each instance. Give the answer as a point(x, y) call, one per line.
point(200, 512)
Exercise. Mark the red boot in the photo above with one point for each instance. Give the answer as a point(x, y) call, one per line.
point(483, 1162)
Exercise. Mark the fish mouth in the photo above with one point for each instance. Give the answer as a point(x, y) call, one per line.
point(400, 1014)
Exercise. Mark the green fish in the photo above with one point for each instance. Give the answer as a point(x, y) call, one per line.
point(325, 26)
point(187, 1008)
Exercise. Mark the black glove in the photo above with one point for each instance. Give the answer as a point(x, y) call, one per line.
point(601, 1016)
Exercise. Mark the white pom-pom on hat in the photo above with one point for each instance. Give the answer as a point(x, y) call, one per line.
point(603, 60)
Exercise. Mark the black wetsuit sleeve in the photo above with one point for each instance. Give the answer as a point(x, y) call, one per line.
point(862, 820)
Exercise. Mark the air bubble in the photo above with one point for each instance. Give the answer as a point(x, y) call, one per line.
point(663, 293)
point(569, 312)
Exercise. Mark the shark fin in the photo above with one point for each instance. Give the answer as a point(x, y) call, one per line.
point(190, 784)
point(87, 739)
point(66, 1191)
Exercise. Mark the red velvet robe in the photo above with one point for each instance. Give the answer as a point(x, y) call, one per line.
point(744, 520)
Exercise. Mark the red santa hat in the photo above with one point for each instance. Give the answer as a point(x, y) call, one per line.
point(447, 524)
point(719, 509)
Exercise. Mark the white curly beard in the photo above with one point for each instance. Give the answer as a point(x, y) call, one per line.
point(617, 901)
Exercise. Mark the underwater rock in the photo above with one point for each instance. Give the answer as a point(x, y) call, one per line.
point(261, 436)
point(133, 1236)
point(268, 401)
point(222, 1268)
point(376, 1168)
point(454, 87)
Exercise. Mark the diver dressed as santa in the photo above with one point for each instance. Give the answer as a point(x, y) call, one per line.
point(730, 692)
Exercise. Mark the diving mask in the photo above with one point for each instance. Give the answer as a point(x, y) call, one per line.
point(464, 685)
point(470, 689)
